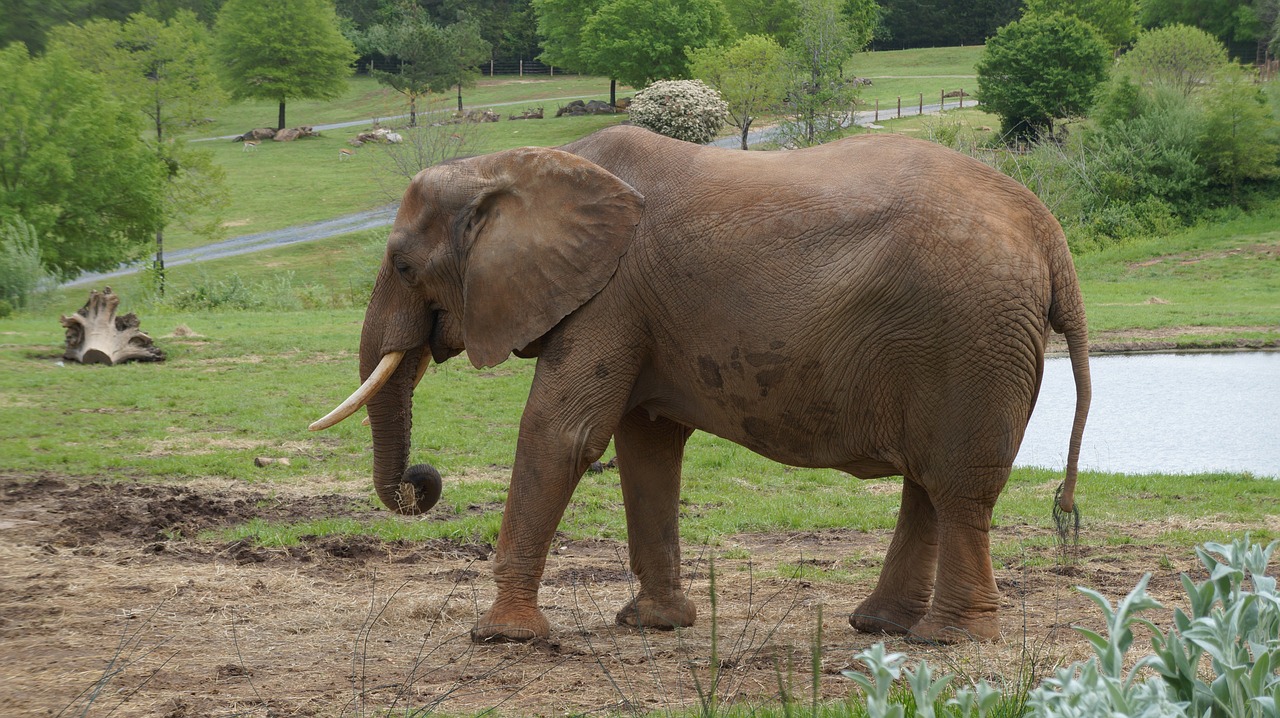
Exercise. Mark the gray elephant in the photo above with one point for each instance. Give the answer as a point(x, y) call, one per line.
point(878, 305)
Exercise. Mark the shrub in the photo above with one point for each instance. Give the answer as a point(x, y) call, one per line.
point(1041, 68)
point(1218, 660)
point(21, 272)
point(687, 110)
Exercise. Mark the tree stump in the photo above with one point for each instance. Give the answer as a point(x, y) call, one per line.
point(95, 335)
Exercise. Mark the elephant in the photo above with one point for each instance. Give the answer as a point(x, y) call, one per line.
point(878, 305)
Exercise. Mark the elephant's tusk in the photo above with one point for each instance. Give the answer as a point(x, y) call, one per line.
point(423, 363)
point(380, 374)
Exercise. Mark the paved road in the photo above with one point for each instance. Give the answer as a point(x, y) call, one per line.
point(384, 216)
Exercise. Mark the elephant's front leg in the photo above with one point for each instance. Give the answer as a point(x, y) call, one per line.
point(552, 453)
point(649, 456)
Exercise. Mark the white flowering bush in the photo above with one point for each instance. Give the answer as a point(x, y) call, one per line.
point(688, 110)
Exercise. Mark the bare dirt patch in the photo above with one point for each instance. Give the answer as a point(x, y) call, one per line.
point(107, 599)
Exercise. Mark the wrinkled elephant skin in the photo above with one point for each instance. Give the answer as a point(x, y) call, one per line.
point(878, 305)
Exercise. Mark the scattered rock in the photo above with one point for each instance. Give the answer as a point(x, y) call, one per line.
point(262, 461)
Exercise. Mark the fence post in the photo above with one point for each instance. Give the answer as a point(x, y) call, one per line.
point(877, 119)
point(552, 69)
point(522, 67)
point(942, 100)
point(921, 111)
point(899, 106)
point(962, 98)
point(491, 67)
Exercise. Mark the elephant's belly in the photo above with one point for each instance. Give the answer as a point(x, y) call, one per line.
point(798, 421)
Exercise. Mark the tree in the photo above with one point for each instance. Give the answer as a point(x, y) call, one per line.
point(750, 75)
point(1178, 56)
point(819, 99)
point(165, 71)
point(1116, 20)
point(772, 18)
point(1240, 140)
point(417, 46)
point(1041, 68)
point(1230, 21)
point(463, 51)
point(282, 50)
point(73, 164)
point(645, 40)
point(942, 23)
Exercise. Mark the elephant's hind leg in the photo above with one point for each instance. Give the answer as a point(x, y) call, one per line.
point(901, 597)
point(649, 456)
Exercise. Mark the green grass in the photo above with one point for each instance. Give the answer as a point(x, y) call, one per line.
point(909, 73)
point(250, 383)
point(1221, 275)
point(366, 100)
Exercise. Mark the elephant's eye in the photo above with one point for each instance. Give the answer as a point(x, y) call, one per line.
point(404, 268)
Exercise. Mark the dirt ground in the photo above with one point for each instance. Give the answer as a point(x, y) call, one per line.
point(105, 608)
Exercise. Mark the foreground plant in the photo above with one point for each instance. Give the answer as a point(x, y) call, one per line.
point(1237, 628)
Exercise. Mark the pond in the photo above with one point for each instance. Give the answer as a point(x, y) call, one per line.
point(1166, 413)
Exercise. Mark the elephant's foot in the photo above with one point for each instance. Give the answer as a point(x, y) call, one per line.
point(877, 615)
point(675, 611)
point(935, 628)
point(508, 624)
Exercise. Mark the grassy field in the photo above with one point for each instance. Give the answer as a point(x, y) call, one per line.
point(285, 184)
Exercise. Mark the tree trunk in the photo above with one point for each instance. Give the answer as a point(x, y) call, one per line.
point(613, 92)
point(413, 112)
point(746, 127)
point(459, 98)
point(95, 335)
point(280, 121)
point(159, 266)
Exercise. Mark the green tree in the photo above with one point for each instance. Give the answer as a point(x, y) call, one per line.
point(560, 24)
point(1117, 20)
point(73, 164)
point(1039, 69)
point(282, 50)
point(464, 50)
point(943, 23)
point(1178, 56)
point(1231, 21)
point(750, 75)
point(165, 71)
point(645, 40)
point(1240, 140)
point(417, 47)
point(772, 18)
point(819, 99)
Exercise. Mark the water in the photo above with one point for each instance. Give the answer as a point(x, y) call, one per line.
point(1168, 413)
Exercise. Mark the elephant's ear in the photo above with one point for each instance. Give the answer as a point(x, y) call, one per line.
point(543, 238)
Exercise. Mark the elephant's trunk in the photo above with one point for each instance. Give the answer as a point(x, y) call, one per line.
point(402, 488)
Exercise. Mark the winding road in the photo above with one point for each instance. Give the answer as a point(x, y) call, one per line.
point(384, 216)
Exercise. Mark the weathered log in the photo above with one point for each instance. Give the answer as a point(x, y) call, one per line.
point(95, 335)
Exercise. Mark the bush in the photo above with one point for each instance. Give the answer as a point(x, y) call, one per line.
point(21, 272)
point(687, 110)
point(1039, 69)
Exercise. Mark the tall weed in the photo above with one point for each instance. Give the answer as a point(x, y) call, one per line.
point(22, 274)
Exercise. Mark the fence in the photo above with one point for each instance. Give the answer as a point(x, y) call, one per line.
point(957, 98)
point(518, 67)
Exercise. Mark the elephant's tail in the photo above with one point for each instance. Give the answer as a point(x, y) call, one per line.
point(1066, 316)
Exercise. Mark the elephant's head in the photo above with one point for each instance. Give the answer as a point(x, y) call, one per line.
point(487, 254)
